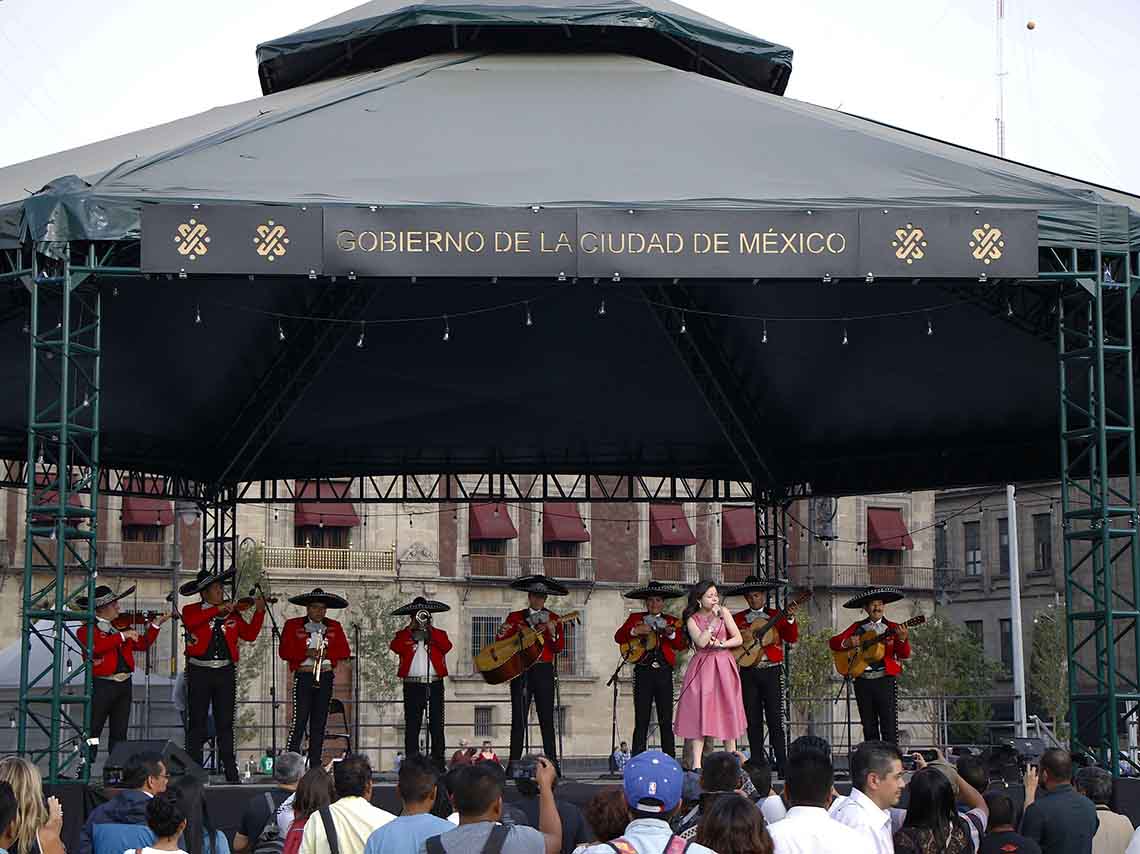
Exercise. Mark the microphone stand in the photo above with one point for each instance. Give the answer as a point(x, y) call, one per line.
point(613, 680)
point(275, 633)
point(426, 629)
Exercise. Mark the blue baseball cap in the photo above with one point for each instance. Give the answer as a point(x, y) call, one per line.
point(653, 782)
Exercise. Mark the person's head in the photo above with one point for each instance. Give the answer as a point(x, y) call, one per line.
point(703, 594)
point(876, 771)
point(147, 772)
point(733, 825)
point(352, 777)
point(1056, 767)
point(817, 743)
point(808, 779)
point(417, 783)
point(477, 792)
point(108, 612)
point(164, 815)
point(399, 754)
point(1002, 812)
point(464, 744)
point(199, 835)
point(874, 608)
point(8, 815)
point(756, 599)
point(720, 772)
point(537, 601)
point(624, 747)
point(1095, 784)
point(760, 773)
point(288, 768)
point(315, 790)
point(487, 747)
point(214, 593)
point(653, 782)
point(931, 804)
point(315, 611)
point(607, 813)
point(28, 788)
point(655, 605)
point(971, 770)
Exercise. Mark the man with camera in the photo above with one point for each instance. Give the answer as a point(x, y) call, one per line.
point(421, 648)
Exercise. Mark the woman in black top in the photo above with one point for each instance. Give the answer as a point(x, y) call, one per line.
point(932, 824)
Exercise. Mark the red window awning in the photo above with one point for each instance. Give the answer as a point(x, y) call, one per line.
point(147, 511)
point(562, 523)
point(490, 522)
point(737, 527)
point(669, 527)
point(886, 529)
point(51, 497)
point(327, 514)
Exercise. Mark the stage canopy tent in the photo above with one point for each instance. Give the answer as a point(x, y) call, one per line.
point(938, 383)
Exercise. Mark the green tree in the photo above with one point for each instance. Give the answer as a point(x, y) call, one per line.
point(1049, 667)
point(257, 657)
point(947, 680)
point(377, 666)
point(810, 671)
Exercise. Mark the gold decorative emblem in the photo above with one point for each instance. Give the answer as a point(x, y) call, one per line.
point(909, 243)
point(987, 243)
point(192, 239)
point(271, 240)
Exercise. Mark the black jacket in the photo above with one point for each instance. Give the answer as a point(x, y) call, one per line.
point(127, 807)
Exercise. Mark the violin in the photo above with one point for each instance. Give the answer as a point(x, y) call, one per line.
point(247, 602)
point(130, 619)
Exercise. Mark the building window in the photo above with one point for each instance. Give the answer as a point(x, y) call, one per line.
point(484, 626)
point(570, 660)
point(143, 533)
point(1006, 645)
point(559, 548)
point(972, 540)
point(1043, 542)
point(974, 629)
point(675, 554)
point(940, 544)
point(327, 537)
point(1003, 546)
point(488, 547)
point(484, 721)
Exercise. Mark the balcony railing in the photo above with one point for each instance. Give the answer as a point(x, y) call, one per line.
point(514, 566)
point(692, 571)
point(861, 575)
point(111, 553)
point(382, 562)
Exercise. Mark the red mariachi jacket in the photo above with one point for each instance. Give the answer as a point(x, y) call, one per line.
point(105, 661)
point(294, 646)
point(789, 632)
point(896, 649)
point(403, 645)
point(669, 646)
point(198, 622)
point(554, 642)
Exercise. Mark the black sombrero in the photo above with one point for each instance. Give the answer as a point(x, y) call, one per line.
point(319, 597)
point(756, 584)
point(656, 588)
point(204, 580)
point(421, 604)
point(104, 595)
point(885, 594)
point(540, 584)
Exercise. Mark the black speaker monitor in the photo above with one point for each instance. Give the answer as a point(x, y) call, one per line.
point(178, 762)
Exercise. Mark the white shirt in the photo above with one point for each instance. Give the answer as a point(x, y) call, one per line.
point(1134, 843)
point(773, 809)
point(149, 850)
point(809, 830)
point(421, 667)
point(873, 824)
point(285, 815)
point(649, 836)
point(354, 820)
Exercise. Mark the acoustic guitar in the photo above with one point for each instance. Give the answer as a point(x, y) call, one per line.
point(870, 649)
point(638, 646)
point(761, 633)
point(502, 660)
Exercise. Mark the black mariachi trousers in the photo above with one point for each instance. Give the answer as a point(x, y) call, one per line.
point(536, 684)
point(310, 707)
point(109, 700)
point(417, 697)
point(878, 702)
point(653, 686)
point(763, 695)
point(214, 687)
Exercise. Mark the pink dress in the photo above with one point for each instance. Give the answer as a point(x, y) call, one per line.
point(710, 703)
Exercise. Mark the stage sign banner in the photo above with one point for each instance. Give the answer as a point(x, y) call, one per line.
point(266, 239)
point(918, 243)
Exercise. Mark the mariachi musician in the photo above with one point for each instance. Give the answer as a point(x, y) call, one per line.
point(213, 628)
point(537, 682)
point(876, 689)
point(762, 684)
point(114, 643)
point(423, 667)
point(653, 670)
point(313, 645)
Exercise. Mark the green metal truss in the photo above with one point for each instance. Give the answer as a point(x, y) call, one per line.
point(61, 560)
point(1101, 558)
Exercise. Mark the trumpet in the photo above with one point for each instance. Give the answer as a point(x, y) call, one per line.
point(320, 657)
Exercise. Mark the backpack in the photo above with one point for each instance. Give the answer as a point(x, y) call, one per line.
point(675, 845)
point(270, 840)
point(493, 845)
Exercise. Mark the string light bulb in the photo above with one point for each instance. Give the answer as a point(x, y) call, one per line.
point(446, 329)
point(529, 319)
point(684, 328)
point(360, 340)
point(929, 326)
point(601, 310)
point(1008, 309)
point(845, 334)
point(764, 335)
point(280, 331)
point(197, 315)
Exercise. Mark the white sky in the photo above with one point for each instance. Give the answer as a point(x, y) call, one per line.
point(76, 71)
